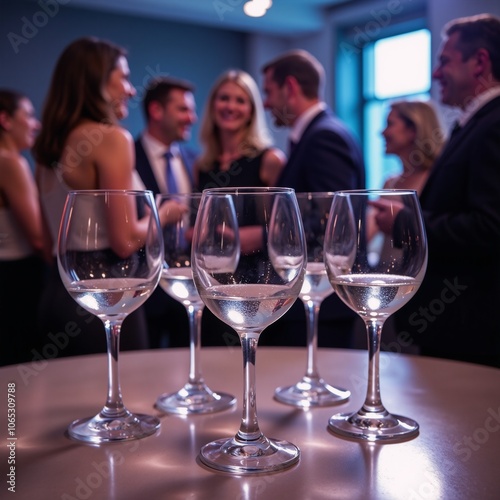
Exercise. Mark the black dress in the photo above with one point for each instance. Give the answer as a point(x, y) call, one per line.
point(243, 172)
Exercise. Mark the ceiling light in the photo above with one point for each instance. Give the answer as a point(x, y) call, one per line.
point(257, 8)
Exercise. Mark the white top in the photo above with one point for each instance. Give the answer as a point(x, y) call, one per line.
point(155, 151)
point(304, 120)
point(477, 103)
point(13, 242)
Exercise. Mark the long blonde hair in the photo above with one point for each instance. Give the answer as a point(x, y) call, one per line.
point(429, 135)
point(256, 137)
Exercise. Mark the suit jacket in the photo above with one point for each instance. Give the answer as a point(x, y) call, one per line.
point(143, 167)
point(160, 304)
point(327, 158)
point(454, 312)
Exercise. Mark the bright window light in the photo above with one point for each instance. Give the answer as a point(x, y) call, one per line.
point(402, 65)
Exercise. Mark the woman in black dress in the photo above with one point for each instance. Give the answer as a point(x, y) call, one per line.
point(236, 152)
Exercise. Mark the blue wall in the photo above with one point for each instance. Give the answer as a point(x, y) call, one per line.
point(195, 53)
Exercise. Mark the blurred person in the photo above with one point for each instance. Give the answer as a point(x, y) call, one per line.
point(170, 111)
point(237, 148)
point(452, 315)
point(323, 156)
point(413, 133)
point(21, 241)
point(237, 151)
point(82, 146)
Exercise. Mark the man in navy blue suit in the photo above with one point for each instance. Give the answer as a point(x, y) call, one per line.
point(323, 156)
point(169, 110)
point(454, 313)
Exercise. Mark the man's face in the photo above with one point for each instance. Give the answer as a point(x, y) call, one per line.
point(275, 100)
point(455, 76)
point(179, 114)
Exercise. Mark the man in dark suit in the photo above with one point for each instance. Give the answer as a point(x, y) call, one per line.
point(169, 110)
point(453, 314)
point(323, 156)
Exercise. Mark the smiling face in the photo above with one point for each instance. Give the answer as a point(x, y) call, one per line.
point(455, 76)
point(118, 89)
point(177, 116)
point(22, 125)
point(232, 107)
point(399, 136)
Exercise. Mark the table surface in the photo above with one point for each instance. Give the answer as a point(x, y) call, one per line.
point(455, 456)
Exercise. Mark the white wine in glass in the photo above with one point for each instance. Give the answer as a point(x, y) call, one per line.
point(311, 390)
point(249, 261)
point(195, 397)
point(110, 255)
point(376, 258)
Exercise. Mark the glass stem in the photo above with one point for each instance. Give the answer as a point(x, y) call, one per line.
point(373, 402)
point(194, 314)
point(249, 428)
point(312, 312)
point(114, 404)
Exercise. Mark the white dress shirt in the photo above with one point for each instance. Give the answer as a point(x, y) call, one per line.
point(155, 151)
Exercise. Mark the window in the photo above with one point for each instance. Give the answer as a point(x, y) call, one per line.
point(395, 65)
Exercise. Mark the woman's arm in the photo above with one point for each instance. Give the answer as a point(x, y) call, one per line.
point(21, 195)
point(273, 162)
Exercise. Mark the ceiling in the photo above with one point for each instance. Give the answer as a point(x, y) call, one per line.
point(285, 17)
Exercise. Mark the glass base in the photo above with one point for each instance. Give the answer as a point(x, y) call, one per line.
point(311, 392)
point(102, 429)
point(249, 457)
point(194, 399)
point(373, 427)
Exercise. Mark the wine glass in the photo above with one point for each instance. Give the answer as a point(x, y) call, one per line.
point(110, 255)
point(249, 262)
point(177, 280)
point(312, 390)
point(376, 257)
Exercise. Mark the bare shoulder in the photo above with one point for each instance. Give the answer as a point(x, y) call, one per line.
point(273, 162)
point(274, 156)
point(93, 135)
point(12, 166)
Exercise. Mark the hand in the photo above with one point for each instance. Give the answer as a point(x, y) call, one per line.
point(171, 212)
point(385, 214)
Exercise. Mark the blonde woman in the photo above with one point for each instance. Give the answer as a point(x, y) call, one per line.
point(414, 134)
point(236, 145)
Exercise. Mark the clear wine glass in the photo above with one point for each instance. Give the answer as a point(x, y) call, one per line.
point(376, 258)
point(249, 261)
point(311, 389)
point(110, 255)
point(177, 280)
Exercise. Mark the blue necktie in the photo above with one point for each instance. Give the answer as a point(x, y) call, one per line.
point(171, 184)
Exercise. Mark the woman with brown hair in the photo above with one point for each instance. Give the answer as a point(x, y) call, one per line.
point(83, 146)
point(21, 243)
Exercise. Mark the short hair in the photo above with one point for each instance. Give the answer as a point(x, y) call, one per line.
point(476, 32)
point(159, 88)
point(76, 94)
point(429, 136)
point(256, 136)
point(10, 101)
point(303, 66)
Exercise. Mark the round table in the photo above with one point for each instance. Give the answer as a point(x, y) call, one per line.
point(455, 456)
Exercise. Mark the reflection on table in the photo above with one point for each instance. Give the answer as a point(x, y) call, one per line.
point(455, 455)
